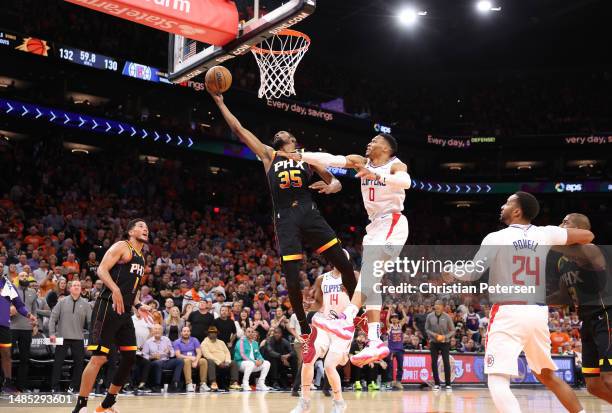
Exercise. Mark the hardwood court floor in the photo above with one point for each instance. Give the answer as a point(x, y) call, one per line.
point(409, 401)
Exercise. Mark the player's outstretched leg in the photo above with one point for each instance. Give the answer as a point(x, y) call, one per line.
point(339, 259)
point(562, 390)
point(331, 362)
point(504, 400)
point(375, 349)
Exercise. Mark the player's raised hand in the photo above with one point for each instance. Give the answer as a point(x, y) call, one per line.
point(323, 187)
point(366, 174)
point(217, 97)
point(118, 301)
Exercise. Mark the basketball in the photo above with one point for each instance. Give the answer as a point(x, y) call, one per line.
point(218, 79)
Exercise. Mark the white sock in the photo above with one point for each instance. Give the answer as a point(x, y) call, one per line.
point(351, 311)
point(499, 387)
point(374, 331)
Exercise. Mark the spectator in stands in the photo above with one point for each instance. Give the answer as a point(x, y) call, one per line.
point(142, 366)
point(558, 337)
point(261, 325)
point(368, 372)
point(91, 266)
point(173, 324)
point(395, 327)
point(188, 350)
point(226, 328)
point(279, 352)
point(68, 319)
point(168, 304)
point(250, 360)
point(159, 350)
point(71, 265)
point(42, 271)
point(440, 328)
point(21, 328)
point(200, 320)
point(219, 358)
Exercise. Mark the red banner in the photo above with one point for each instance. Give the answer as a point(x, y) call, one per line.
point(209, 21)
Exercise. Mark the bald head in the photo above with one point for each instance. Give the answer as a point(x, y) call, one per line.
point(576, 220)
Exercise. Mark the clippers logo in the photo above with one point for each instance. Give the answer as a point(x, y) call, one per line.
point(564, 187)
point(490, 360)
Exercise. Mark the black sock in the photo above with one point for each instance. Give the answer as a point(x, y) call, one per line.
point(81, 402)
point(109, 400)
point(304, 326)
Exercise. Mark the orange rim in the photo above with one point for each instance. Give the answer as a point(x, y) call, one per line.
point(285, 32)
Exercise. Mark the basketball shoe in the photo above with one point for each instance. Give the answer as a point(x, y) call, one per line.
point(375, 350)
point(101, 409)
point(340, 327)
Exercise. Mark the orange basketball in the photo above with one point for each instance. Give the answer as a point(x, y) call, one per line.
point(218, 79)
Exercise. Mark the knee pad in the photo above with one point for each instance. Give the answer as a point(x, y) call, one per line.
point(128, 358)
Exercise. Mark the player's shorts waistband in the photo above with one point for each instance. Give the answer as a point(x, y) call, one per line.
point(522, 303)
point(384, 215)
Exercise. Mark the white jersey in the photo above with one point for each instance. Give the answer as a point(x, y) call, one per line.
point(378, 198)
point(516, 256)
point(335, 298)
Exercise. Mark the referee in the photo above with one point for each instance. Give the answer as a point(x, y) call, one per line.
point(440, 328)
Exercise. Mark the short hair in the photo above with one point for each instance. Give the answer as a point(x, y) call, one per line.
point(581, 220)
point(390, 141)
point(132, 223)
point(529, 205)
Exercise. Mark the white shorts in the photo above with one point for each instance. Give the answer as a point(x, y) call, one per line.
point(327, 342)
point(384, 240)
point(516, 328)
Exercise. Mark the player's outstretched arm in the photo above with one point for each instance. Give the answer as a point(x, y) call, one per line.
point(112, 256)
point(579, 236)
point(246, 136)
point(324, 159)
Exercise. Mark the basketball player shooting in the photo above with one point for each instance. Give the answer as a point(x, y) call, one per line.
point(296, 217)
point(121, 270)
point(330, 298)
point(384, 180)
point(516, 255)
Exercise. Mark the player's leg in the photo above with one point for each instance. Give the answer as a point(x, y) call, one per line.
point(290, 245)
point(504, 400)
point(600, 386)
point(321, 345)
point(539, 359)
point(596, 356)
point(126, 337)
point(5, 357)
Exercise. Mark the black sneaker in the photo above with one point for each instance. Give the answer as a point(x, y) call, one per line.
point(142, 389)
point(9, 387)
point(295, 393)
point(155, 389)
point(174, 388)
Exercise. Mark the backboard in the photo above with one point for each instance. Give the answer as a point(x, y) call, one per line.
point(259, 20)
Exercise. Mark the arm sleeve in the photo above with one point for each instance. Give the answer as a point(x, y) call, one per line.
point(451, 331)
point(53, 319)
point(556, 235)
point(20, 306)
point(399, 179)
point(324, 159)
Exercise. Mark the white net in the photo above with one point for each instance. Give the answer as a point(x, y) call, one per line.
point(278, 58)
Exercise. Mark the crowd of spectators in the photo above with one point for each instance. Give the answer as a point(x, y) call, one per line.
point(499, 103)
point(212, 276)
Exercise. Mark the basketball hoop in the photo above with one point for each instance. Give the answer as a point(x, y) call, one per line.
point(278, 57)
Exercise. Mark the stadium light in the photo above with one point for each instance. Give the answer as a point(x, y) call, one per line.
point(485, 6)
point(409, 16)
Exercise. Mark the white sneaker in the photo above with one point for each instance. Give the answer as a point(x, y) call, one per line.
point(262, 387)
point(436, 388)
point(303, 406)
point(204, 387)
point(246, 387)
point(338, 406)
point(191, 388)
point(375, 350)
